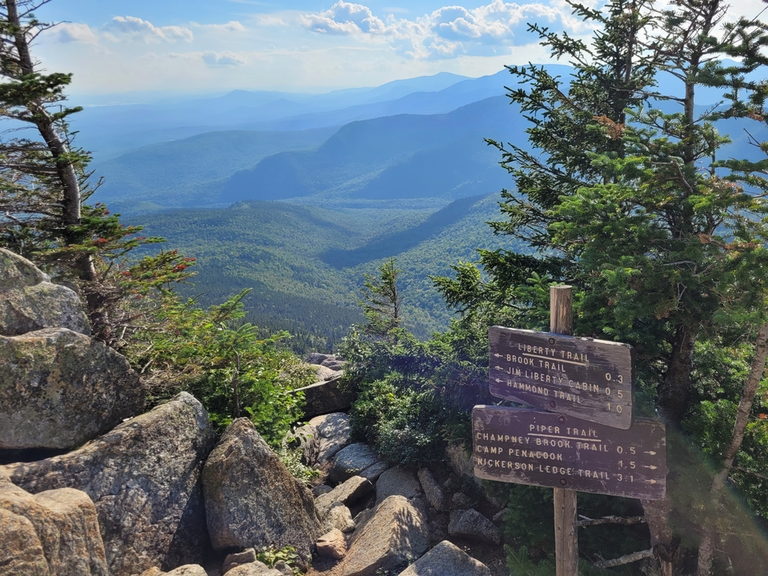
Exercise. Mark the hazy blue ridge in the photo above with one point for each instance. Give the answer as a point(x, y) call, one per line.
point(107, 130)
point(382, 157)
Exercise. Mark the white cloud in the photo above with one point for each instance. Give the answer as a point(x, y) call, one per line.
point(144, 31)
point(231, 26)
point(345, 18)
point(448, 32)
point(222, 59)
point(72, 32)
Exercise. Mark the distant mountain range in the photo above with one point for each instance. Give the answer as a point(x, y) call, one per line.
point(299, 196)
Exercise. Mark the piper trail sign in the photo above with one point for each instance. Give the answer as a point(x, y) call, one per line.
point(586, 378)
point(543, 449)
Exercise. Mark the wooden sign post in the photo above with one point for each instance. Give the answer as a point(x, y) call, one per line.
point(566, 534)
point(583, 437)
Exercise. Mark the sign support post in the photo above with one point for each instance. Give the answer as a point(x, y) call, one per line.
point(566, 535)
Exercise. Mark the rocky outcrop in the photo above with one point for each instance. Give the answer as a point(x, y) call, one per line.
point(332, 544)
point(473, 525)
point(326, 397)
point(59, 389)
point(21, 552)
point(397, 481)
point(432, 490)
point(395, 535)
point(252, 500)
point(186, 570)
point(446, 559)
point(332, 432)
point(55, 532)
point(29, 301)
point(355, 460)
point(144, 479)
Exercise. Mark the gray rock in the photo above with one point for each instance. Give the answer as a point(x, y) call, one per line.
point(432, 490)
point(144, 478)
point(460, 500)
point(459, 459)
point(29, 301)
point(319, 490)
point(398, 481)
point(245, 557)
point(59, 389)
point(186, 570)
point(22, 551)
point(352, 460)
point(338, 517)
point(473, 525)
point(375, 470)
point(332, 545)
point(333, 364)
point(393, 536)
point(252, 500)
point(317, 358)
point(324, 373)
point(254, 569)
point(348, 493)
point(446, 559)
point(326, 397)
point(64, 525)
point(332, 433)
point(283, 568)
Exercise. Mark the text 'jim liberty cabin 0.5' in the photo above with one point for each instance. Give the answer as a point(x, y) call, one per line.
point(583, 377)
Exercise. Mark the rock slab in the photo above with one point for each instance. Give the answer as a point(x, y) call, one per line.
point(144, 479)
point(60, 388)
point(351, 461)
point(473, 525)
point(446, 559)
point(29, 301)
point(395, 535)
point(252, 500)
point(53, 532)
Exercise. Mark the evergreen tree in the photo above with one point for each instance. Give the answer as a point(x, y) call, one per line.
point(381, 302)
point(44, 184)
point(627, 197)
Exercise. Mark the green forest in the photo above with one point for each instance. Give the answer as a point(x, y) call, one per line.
point(622, 189)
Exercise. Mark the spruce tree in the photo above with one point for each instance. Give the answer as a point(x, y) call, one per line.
point(627, 195)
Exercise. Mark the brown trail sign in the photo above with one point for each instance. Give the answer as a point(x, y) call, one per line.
point(586, 378)
point(545, 449)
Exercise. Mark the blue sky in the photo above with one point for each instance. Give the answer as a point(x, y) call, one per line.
point(196, 46)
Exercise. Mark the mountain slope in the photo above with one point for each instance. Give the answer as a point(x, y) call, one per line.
point(379, 158)
point(306, 264)
point(174, 174)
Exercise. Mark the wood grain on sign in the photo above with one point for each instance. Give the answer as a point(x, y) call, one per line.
point(583, 377)
point(525, 446)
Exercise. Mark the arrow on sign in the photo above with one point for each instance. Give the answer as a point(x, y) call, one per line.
point(651, 452)
point(651, 467)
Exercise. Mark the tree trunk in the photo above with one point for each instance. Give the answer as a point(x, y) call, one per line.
point(664, 548)
point(706, 548)
point(675, 390)
point(57, 146)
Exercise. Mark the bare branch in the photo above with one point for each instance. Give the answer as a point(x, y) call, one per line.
point(610, 520)
point(627, 559)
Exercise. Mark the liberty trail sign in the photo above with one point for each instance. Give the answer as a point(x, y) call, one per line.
point(582, 377)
